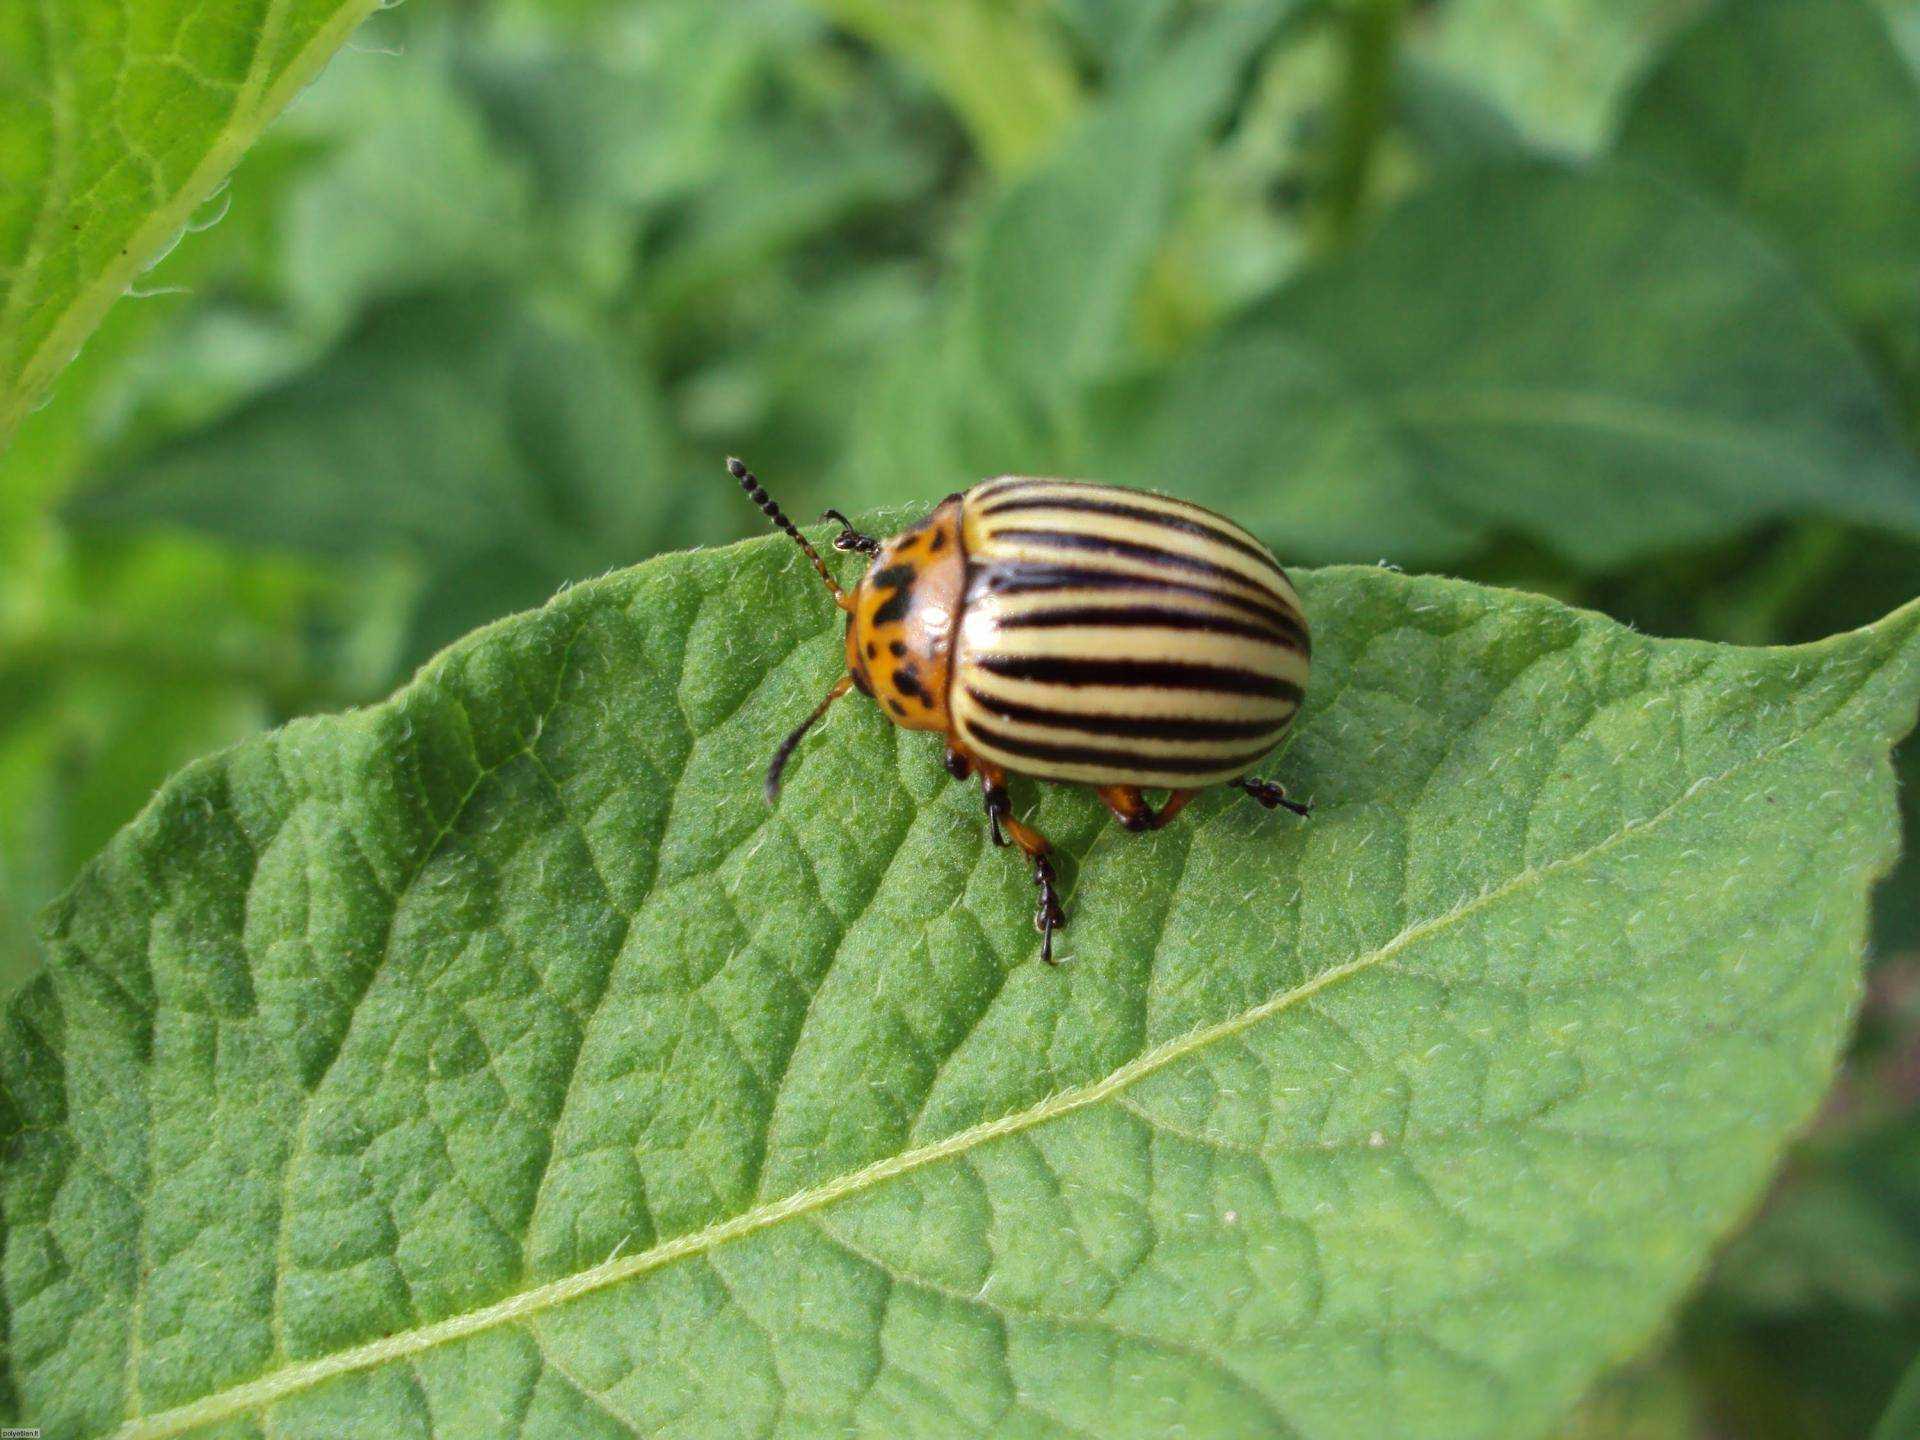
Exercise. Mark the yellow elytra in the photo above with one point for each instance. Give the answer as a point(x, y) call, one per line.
point(1073, 632)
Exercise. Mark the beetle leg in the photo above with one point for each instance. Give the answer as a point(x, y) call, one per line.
point(1130, 808)
point(999, 807)
point(1049, 917)
point(1270, 793)
point(993, 789)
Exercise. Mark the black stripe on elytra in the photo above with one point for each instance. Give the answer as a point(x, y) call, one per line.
point(1026, 577)
point(1147, 674)
point(1131, 549)
point(1132, 727)
point(1185, 524)
point(1160, 617)
point(1116, 757)
point(1005, 485)
point(899, 579)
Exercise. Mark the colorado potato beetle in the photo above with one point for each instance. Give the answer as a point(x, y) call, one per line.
point(1073, 632)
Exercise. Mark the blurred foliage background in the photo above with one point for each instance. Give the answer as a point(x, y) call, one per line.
point(1613, 299)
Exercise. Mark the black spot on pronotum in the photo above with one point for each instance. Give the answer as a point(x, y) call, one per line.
point(907, 681)
point(873, 650)
point(898, 648)
point(939, 540)
point(897, 708)
point(899, 579)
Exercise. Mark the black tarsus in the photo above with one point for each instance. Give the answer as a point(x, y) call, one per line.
point(1270, 793)
point(850, 539)
point(998, 806)
point(1049, 917)
point(757, 493)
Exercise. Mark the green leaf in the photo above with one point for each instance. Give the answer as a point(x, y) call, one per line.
point(1051, 297)
point(1903, 1412)
point(417, 194)
point(932, 411)
point(788, 188)
point(502, 451)
point(1061, 257)
point(1812, 1314)
point(1120, 36)
point(1449, 121)
point(999, 68)
point(1557, 66)
point(1897, 926)
point(1585, 357)
point(1647, 1401)
point(493, 1058)
point(1804, 117)
point(116, 123)
point(120, 664)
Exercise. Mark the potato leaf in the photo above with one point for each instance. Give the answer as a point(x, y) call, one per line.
point(492, 1060)
point(1061, 255)
point(116, 122)
point(1903, 1413)
point(501, 450)
point(1587, 357)
point(1803, 116)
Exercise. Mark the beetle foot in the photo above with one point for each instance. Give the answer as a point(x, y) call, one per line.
point(998, 806)
point(850, 539)
point(1049, 917)
point(1271, 793)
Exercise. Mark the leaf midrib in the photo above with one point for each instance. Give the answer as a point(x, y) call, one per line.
point(269, 1389)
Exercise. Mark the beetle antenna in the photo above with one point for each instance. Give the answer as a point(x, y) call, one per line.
point(757, 493)
point(850, 538)
point(785, 752)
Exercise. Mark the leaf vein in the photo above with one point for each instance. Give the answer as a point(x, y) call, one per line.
point(268, 1389)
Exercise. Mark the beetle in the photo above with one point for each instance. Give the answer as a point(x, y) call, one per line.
point(1076, 632)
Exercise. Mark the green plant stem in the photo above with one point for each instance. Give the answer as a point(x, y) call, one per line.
point(1370, 33)
point(998, 66)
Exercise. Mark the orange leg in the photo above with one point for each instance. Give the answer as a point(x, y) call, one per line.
point(1130, 808)
point(1049, 917)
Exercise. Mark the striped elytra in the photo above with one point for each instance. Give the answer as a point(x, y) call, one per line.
point(1109, 637)
point(1072, 632)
